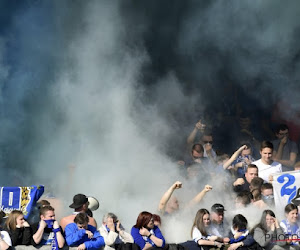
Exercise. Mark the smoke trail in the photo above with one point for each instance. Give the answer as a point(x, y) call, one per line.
point(115, 88)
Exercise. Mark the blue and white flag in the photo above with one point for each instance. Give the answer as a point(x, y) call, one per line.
point(286, 188)
point(19, 198)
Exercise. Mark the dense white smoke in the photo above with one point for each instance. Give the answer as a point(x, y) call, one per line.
point(99, 97)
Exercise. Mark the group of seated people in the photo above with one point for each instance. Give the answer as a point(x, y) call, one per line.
point(209, 230)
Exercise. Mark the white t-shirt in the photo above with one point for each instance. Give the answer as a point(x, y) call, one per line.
point(197, 235)
point(5, 237)
point(265, 170)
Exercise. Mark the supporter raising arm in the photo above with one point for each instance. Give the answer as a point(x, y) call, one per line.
point(163, 206)
point(198, 127)
point(169, 205)
point(234, 156)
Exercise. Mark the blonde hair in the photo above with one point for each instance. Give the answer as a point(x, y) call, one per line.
point(11, 221)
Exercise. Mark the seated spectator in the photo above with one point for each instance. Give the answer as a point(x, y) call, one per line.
point(157, 220)
point(82, 235)
point(145, 234)
point(5, 241)
point(218, 222)
point(34, 216)
point(243, 184)
point(202, 232)
point(80, 205)
point(169, 204)
point(290, 226)
point(113, 232)
point(267, 231)
point(239, 236)
point(266, 166)
point(47, 230)
point(18, 229)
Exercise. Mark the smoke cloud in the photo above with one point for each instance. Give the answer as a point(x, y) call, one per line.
point(99, 97)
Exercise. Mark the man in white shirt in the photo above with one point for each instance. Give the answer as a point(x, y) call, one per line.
point(266, 166)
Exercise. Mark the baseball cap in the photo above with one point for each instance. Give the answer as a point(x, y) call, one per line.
point(78, 201)
point(217, 208)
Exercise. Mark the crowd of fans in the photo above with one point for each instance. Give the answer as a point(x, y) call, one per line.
point(249, 177)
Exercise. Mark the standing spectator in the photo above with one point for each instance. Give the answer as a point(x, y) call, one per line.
point(145, 233)
point(47, 230)
point(266, 166)
point(113, 232)
point(243, 184)
point(267, 231)
point(83, 235)
point(80, 205)
point(285, 150)
point(243, 160)
point(18, 229)
point(169, 204)
point(206, 139)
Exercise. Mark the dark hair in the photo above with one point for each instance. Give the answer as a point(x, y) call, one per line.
point(262, 224)
point(290, 207)
point(198, 221)
point(143, 219)
point(239, 222)
point(251, 166)
point(197, 150)
point(256, 193)
point(281, 127)
point(157, 218)
point(2, 215)
point(266, 186)
point(266, 144)
point(207, 132)
point(256, 183)
point(45, 209)
point(81, 218)
point(244, 197)
point(248, 145)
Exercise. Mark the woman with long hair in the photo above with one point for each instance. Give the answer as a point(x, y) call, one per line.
point(18, 229)
point(267, 231)
point(201, 230)
point(145, 233)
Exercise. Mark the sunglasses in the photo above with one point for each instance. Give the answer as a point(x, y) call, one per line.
point(211, 142)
